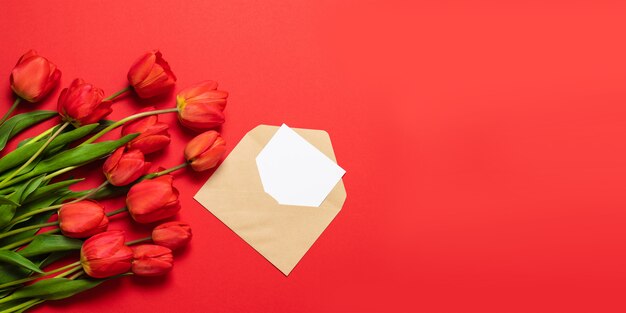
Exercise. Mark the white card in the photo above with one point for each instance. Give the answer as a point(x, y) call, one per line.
point(294, 172)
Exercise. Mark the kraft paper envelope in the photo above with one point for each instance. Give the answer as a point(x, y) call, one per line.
point(235, 195)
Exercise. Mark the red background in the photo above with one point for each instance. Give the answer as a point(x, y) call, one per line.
point(483, 143)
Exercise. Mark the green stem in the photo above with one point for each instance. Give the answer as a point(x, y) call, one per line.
point(76, 275)
point(124, 120)
point(34, 156)
point(59, 172)
point(72, 271)
point(31, 227)
point(118, 211)
point(44, 134)
point(134, 242)
point(163, 172)
point(117, 94)
point(54, 207)
point(24, 306)
point(6, 115)
point(27, 240)
point(27, 279)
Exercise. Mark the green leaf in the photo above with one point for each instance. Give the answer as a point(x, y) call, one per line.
point(3, 294)
point(7, 211)
point(7, 191)
point(55, 288)
point(11, 304)
point(9, 272)
point(44, 202)
point(79, 155)
point(24, 188)
point(27, 140)
point(33, 220)
point(20, 122)
point(30, 166)
point(19, 155)
point(51, 188)
point(50, 243)
point(31, 186)
point(7, 201)
point(10, 257)
point(53, 257)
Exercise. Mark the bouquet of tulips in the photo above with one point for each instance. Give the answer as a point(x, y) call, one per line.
point(43, 223)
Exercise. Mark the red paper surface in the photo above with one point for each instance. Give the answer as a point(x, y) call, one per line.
point(484, 144)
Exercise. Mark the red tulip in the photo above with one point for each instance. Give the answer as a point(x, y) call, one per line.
point(201, 106)
point(150, 75)
point(153, 200)
point(153, 136)
point(82, 103)
point(82, 219)
point(33, 77)
point(172, 235)
point(205, 150)
point(152, 260)
point(106, 254)
point(124, 167)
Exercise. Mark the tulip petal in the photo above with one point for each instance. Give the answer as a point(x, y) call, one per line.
point(29, 78)
point(209, 97)
point(200, 143)
point(106, 254)
point(117, 264)
point(202, 116)
point(208, 159)
point(104, 244)
point(152, 260)
point(142, 124)
point(33, 76)
point(112, 161)
point(151, 76)
point(152, 200)
point(166, 66)
point(198, 89)
point(82, 103)
point(141, 68)
point(30, 53)
point(128, 167)
point(82, 219)
point(150, 144)
point(173, 235)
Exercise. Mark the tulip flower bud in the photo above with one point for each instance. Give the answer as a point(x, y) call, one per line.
point(153, 136)
point(173, 235)
point(150, 75)
point(106, 255)
point(124, 167)
point(82, 103)
point(201, 106)
point(33, 77)
point(205, 150)
point(82, 219)
point(152, 260)
point(153, 200)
